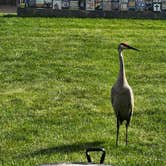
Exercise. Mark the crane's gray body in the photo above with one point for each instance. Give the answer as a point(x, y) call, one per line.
point(122, 98)
point(122, 101)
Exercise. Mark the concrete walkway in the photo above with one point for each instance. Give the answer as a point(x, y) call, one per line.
point(8, 9)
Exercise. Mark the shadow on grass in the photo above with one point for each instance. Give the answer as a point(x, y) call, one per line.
point(76, 147)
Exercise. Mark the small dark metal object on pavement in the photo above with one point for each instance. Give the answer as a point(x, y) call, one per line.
point(95, 150)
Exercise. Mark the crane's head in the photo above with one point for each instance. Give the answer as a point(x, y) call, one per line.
point(126, 46)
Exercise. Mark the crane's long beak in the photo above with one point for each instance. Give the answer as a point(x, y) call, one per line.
point(129, 47)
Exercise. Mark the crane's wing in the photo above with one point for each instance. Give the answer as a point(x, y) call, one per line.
point(122, 100)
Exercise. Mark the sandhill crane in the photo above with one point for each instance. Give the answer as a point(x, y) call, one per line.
point(122, 98)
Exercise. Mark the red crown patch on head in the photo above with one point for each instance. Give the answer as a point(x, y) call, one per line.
point(125, 44)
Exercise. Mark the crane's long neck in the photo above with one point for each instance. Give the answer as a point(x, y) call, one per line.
point(122, 76)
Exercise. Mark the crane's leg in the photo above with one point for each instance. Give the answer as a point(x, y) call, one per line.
point(127, 133)
point(117, 134)
point(127, 125)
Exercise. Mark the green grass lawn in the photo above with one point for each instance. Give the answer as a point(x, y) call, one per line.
point(55, 81)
